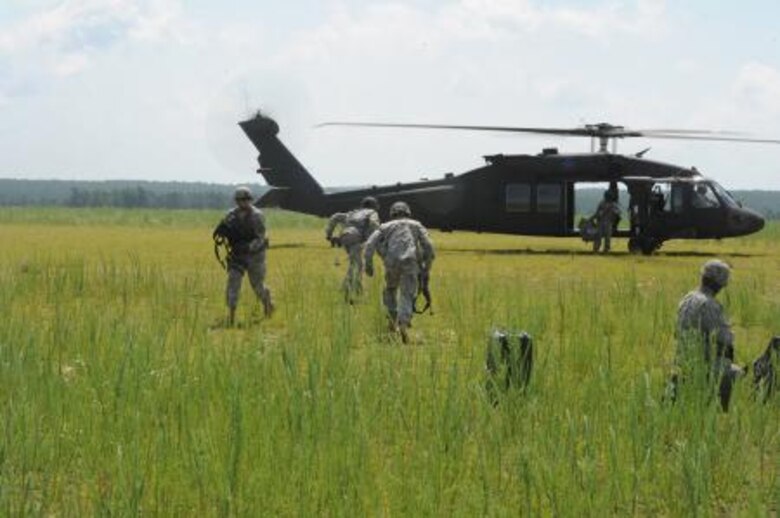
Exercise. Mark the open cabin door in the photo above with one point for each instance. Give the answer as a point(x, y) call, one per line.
point(667, 210)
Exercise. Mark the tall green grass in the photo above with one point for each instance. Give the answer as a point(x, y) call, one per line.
point(120, 392)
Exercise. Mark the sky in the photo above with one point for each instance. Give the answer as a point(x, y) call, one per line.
point(153, 89)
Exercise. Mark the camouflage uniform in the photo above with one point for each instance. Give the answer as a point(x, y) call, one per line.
point(244, 229)
point(606, 216)
point(705, 343)
point(405, 248)
point(357, 226)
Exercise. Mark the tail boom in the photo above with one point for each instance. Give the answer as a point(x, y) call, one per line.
point(293, 187)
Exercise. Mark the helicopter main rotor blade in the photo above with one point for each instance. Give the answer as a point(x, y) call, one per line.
point(602, 131)
point(575, 132)
point(713, 138)
point(689, 132)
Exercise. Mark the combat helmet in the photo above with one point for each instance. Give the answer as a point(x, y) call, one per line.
point(369, 202)
point(715, 272)
point(400, 209)
point(242, 193)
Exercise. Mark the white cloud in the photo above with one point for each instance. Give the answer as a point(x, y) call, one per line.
point(393, 28)
point(70, 64)
point(757, 87)
point(750, 102)
point(176, 81)
point(62, 40)
point(602, 21)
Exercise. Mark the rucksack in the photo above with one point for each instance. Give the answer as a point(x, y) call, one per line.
point(359, 219)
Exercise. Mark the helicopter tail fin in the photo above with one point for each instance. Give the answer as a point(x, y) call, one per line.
point(295, 187)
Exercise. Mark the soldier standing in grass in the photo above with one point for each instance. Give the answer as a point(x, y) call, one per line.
point(406, 250)
point(244, 229)
point(705, 343)
point(606, 216)
point(356, 227)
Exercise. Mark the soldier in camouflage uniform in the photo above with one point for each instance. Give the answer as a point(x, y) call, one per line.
point(405, 249)
point(356, 227)
point(606, 216)
point(705, 343)
point(244, 229)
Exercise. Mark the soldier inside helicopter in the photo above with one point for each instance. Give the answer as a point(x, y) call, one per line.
point(692, 208)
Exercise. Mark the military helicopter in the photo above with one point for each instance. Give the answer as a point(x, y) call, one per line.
point(530, 194)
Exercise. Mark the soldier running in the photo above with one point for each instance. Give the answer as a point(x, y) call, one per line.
point(356, 227)
point(705, 343)
point(244, 229)
point(405, 249)
point(606, 216)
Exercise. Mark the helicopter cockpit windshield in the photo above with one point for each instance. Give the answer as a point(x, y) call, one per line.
point(724, 195)
point(704, 196)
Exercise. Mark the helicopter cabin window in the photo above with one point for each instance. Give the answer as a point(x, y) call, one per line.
point(548, 197)
point(660, 197)
point(518, 197)
point(704, 197)
point(678, 198)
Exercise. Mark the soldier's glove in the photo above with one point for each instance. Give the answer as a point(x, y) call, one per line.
point(369, 269)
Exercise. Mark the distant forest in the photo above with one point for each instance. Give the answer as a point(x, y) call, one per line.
point(192, 195)
point(117, 193)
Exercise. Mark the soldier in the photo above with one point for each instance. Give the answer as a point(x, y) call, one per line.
point(356, 227)
point(244, 229)
point(406, 250)
point(606, 217)
point(705, 343)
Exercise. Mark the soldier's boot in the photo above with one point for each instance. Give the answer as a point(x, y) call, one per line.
point(268, 305)
point(356, 286)
point(392, 323)
point(231, 321)
point(724, 391)
point(403, 328)
point(346, 290)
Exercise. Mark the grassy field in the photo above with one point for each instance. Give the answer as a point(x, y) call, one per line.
point(121, 394)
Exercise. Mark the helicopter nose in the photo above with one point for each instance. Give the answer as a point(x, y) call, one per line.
point(745, 221)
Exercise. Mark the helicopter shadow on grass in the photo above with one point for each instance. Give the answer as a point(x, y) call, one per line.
point(566, 252)
point(693, 253)
point(288, 245)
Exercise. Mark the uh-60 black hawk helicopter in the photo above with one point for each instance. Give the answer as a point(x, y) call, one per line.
point(530, 194)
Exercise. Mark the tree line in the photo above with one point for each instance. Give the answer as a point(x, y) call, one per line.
point(198, 195)
point(140, 197)
point(120, 193)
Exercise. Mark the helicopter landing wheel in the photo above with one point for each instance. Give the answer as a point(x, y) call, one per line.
point(644, 245)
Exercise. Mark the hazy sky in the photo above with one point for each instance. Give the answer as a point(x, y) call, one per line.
point(152, 89)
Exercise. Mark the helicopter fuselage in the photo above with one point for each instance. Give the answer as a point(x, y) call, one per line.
point(525, 194)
